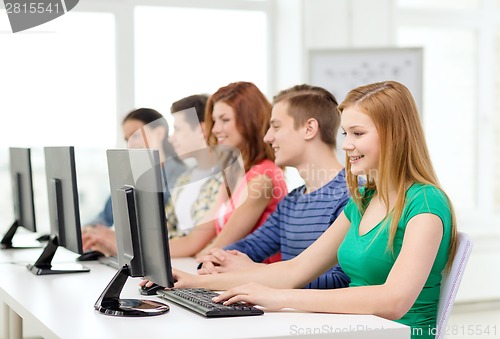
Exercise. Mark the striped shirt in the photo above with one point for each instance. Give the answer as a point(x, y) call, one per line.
point(297, 222)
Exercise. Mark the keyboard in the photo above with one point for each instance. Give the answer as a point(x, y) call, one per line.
point(199, 300)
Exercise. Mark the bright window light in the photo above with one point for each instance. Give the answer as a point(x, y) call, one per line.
point(184, 51)
point(58, 82)
point(58, 88)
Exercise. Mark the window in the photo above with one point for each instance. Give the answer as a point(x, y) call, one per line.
point(71, 80)
point(58, 82)
point(58, 88)
point(184, 51)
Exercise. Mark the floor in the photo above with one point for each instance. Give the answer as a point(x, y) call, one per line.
point(481, 320)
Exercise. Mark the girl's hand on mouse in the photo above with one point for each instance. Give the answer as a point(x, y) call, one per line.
point(145, 282)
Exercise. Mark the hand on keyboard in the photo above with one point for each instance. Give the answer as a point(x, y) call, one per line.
point(221, 261)
point(183, 279)
point(256, 294)
point(200, 300)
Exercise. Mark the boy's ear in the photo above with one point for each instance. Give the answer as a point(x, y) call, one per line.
point(311, 128)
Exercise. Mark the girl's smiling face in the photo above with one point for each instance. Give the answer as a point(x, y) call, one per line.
point(224, 127)
point(361, 141)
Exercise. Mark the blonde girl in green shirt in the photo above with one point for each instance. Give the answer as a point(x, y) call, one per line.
point(394, 238)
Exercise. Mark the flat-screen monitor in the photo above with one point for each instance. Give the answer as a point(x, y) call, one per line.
point(135, 178)
point(64, 212)
point(22, 197)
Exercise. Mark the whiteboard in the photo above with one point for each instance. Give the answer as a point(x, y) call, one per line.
point(340, 70)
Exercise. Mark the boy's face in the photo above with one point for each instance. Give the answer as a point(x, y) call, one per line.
point(186, 139)
point(286, 141)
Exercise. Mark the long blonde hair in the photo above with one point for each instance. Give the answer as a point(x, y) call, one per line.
point(404, 156)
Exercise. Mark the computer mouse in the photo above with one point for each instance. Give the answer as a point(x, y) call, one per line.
point(90, 255)
point(150, 290)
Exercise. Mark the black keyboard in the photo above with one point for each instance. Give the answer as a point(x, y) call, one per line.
point(199, 300)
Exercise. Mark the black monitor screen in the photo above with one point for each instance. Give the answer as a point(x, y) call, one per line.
point(62, 190)
point(64, 212)
point(135, 179)
point(22, 187)
point(22, 198)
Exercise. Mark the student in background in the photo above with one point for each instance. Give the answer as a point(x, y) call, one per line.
point(393, 239)
point(142, 128)
point(303, 131)
point(196, 190)
point(237, 116)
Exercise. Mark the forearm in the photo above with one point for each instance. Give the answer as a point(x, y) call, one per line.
point(333, 278)
point(244, 246)
point(192, 243)
point(240, 224)
point(377, 300)
point(227, 237)
point(259, 245)
point(246, 216)
point(181, 247)
point(270, 275)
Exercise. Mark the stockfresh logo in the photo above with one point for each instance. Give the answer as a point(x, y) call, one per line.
point(24, 15)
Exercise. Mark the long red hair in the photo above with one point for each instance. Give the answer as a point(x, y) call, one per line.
point(252, 115)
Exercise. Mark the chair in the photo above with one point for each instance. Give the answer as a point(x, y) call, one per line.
point(451, 282)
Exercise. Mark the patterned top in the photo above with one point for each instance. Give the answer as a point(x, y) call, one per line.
point(204, 202)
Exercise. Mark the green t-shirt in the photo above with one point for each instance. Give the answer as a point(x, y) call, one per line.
point(367, 261)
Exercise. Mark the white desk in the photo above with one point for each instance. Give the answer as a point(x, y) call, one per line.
point(62, 306)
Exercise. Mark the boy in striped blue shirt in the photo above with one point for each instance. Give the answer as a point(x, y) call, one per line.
point(303, 130)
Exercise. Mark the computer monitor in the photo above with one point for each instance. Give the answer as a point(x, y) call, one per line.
point(22, 198)
point(64, 212)
point(135, 178)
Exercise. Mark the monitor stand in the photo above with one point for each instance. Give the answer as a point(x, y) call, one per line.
point(6, 242)
point(44, 266)
point(109, 302)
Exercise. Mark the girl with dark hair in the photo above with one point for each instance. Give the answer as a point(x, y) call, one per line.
point(142, 128)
